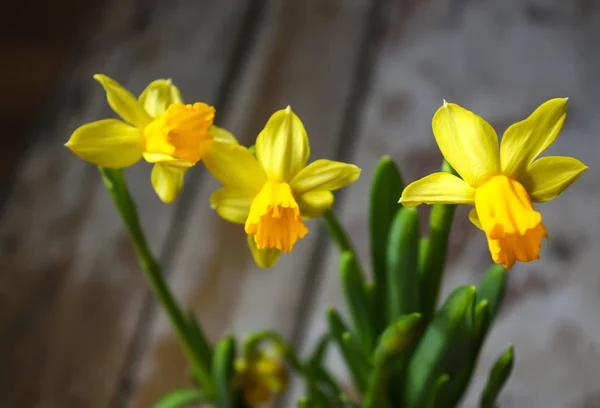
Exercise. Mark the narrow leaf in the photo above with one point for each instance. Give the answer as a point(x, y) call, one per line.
point(223, 371)
point(403, 265)
point(434, 257)
point(355, 361)
point(435, 399)
point(386, 189)
point(445, 345)
point(357, 301)
point(497, 378)
point(180, 399)
point(491, 287)
point(390, 356)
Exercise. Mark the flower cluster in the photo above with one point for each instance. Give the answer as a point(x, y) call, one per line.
point(272, 190)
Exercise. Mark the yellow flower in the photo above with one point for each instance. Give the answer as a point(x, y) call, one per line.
point(261, 377)
point(503, 185)
point(273, 192)
point(157, 126)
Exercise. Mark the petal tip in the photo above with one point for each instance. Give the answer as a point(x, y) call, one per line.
point(444, 103)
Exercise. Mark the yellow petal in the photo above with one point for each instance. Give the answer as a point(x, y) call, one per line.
point(314, 203)
point(167, 181)
point(265, 258)
point(324, 175)
point(158, 95)
point(123, 102)
point(231, 204)
point(474, 218)
point(164, 158)
point(469, 144)
point(282, 147)
point(443, 188)
point(108, 143)
point(222, 135)
point(524, 141)
point(234, 166)
point(547, 177)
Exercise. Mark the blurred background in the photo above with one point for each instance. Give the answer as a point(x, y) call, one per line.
point(78, 325)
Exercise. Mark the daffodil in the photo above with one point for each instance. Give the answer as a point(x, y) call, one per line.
point(501, 183)
point(274, 191)
point(262, 376)
point(156, 126)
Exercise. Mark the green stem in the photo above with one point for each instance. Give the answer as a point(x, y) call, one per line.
point(336, 231)
point(117, 187)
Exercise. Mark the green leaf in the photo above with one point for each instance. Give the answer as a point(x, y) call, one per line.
point(351, 352)
point(482, 323)
point(357, 301)
point(223, 371)
point(390, 356)
point(386, 189)
point(304, 402)
point(491, 287)
point(435, 399)
point(199, 342)
point(180, 399)
point(403, 265)
point(434, 256)
point(460, 382)
point(444, 347)
point(497, 378)
point(336, 231)
point(347, 402)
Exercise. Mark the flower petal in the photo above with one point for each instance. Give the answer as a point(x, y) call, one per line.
point(474, 218)
point(158, 95)
point(167, 181)
point(233, 165)
point(467, 142)
point(282, 146)
point(314, 203)
point(524, 141)
point(108, 143)
point(222, 135)
point(324, 175)
point(549, 176)
point(123, 102)
point(231, 204)
point(166, 159)
point(443, 188)
point(264, 258)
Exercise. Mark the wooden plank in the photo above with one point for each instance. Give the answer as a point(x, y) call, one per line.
point(492, 57)
point(306, 56)
point(72, 291)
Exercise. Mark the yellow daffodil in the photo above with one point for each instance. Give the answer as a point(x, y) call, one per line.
point(274, 191)
point(157, 126)
point(503, 185)
point(261, 377)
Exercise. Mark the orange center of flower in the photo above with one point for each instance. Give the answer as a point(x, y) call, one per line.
point(274, 218)
point(513, 228)
point(180, 131)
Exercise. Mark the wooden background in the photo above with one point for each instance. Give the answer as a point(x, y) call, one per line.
point(78, 325)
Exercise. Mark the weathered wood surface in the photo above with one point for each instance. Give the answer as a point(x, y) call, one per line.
point(72, 292)
point(500, 59)
point(305, 55)
point(78, 327)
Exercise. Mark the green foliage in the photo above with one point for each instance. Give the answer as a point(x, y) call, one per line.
point(400, 349)
point(422, 356)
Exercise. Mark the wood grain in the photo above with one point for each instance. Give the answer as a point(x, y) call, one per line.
point(72, 291)
point(306, 56)
point(468, 55)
